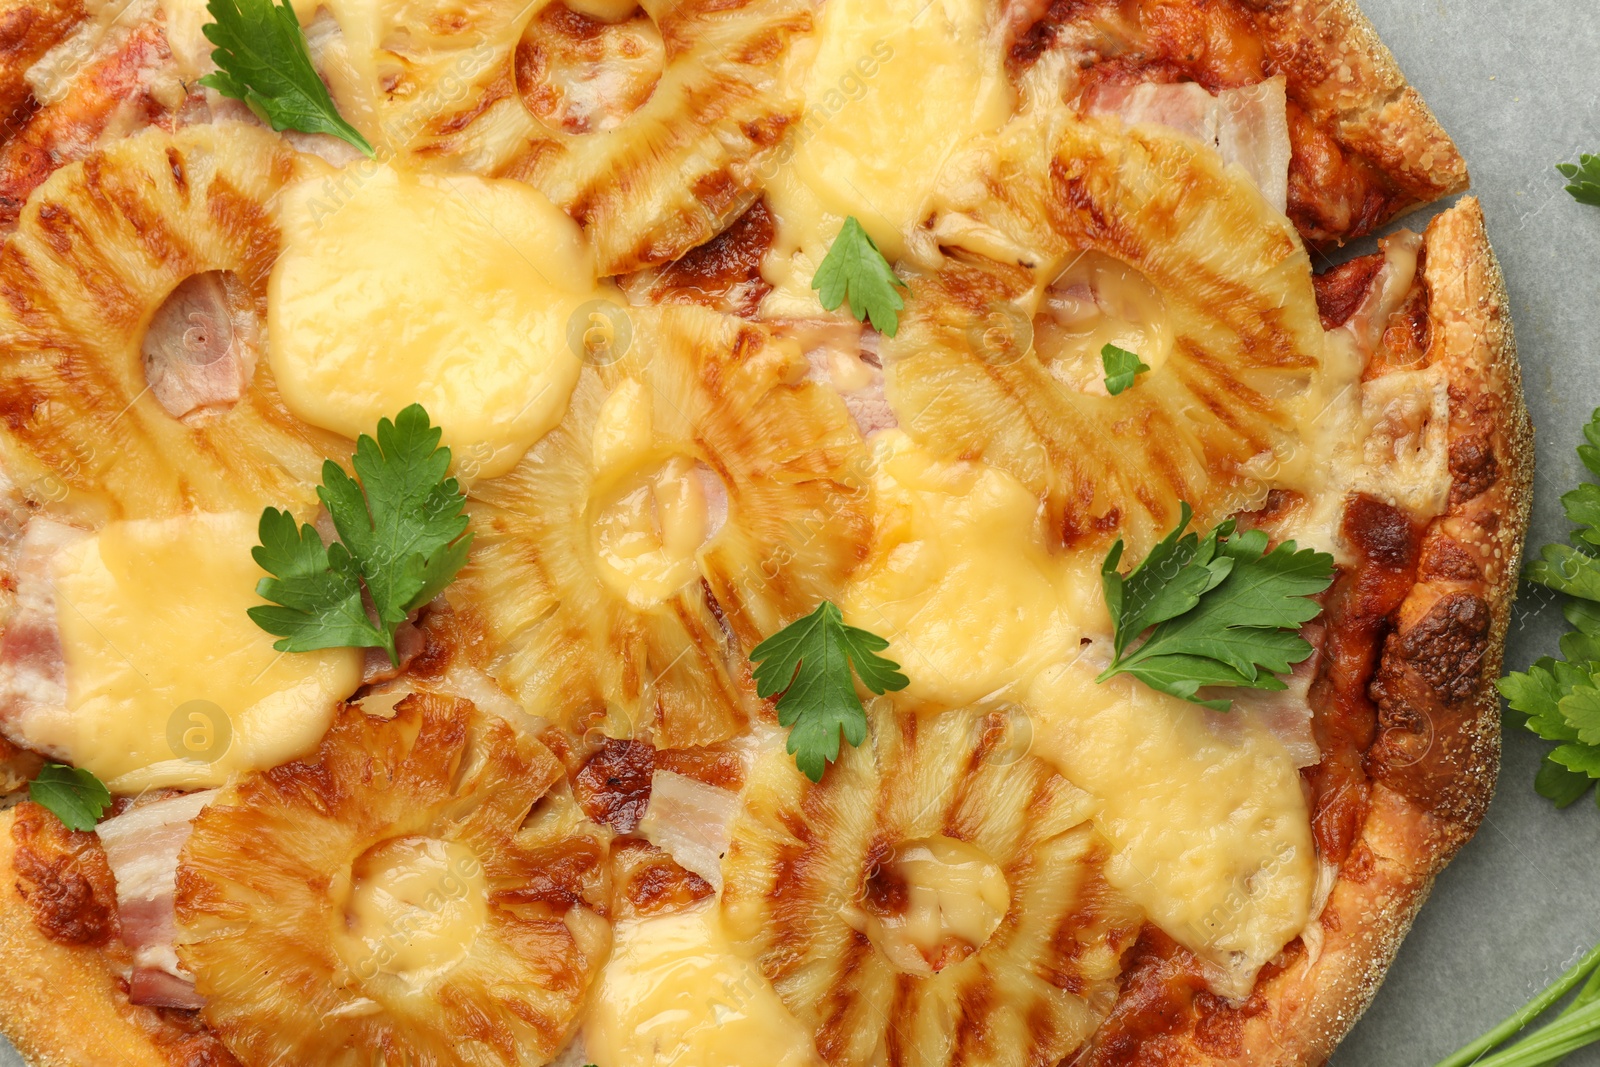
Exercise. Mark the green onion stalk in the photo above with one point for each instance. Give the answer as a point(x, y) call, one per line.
point(1576, 1025)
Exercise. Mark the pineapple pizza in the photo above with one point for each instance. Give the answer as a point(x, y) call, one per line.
point(814, 533)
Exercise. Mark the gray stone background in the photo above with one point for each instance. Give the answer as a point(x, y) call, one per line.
point(1517, 84)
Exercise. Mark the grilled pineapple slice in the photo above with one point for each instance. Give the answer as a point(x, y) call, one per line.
point(596, 567)
point(385, 902)
point(543, 92)
point(98, 250)
point(1070, 235)
point(937, 899)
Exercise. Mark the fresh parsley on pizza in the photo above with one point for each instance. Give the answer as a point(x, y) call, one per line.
point(669, 534)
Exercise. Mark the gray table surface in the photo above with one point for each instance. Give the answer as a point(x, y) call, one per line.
point(1517, 84)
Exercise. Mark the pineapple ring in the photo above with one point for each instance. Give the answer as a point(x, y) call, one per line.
point(1236, 347)
point(300, 948)
point(670, 175)
point(97, 251)
point(804, 880)
point(590, 650)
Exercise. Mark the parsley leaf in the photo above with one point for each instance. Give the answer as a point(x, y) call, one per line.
point(1585, 178)
point(75, 795)
point(400, 539)
point(854, 268)
point(1221, 610)
point(808, 662)
point(262, 59)
point(1559, 699)
point(1121, 368)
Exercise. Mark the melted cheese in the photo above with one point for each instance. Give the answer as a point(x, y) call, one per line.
point(647, 535)
point(624, 432)
point(1387, 438)
point(169, 682)
point(877, 129)
point(959, 580)
point(412, 908)
point(604, 10)
point(651, 515)
point(1095, 301)
point(674, 994)
point(1210, 828)
point(452, 292)
point(182, 22)
point(955, 899)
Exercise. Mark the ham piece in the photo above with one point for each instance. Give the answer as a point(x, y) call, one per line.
point(33, 673)
point(1248, 125)
point(142, 846)
point(200, 348)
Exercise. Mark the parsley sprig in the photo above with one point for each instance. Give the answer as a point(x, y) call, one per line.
point(1560, 699)
point(74, 795)
point(1121, 367)
point(807, 664)
point(855, 269)
point(262, 59)
point(1221, 610)
point(402, 538)
point(1585, 178)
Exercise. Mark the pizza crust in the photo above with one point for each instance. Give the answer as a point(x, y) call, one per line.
point(1427, 798)
point(1426, 806)
point(1412, 830)
point(1345, 76)
point(65, 1005)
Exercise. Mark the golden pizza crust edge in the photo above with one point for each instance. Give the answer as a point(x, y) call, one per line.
point(1344, 72)
point(63, 1005)
point(1406, 840)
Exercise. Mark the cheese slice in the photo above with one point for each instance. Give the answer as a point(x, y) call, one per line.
point(1209, 826)
point(454, 292)
point(182, 22)
point(674, 994)
point(877, 128)
point(959, 580)
point(169, 682)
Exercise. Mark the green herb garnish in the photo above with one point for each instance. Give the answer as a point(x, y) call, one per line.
point(74, 795)
point(402, 536)
point(1585, 178)
point(1121, 367)
point(1221, 610)
point(808, 662)
point(262, 59)
point(854, 269)
point(1560, 698)
point(1576, 1025)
